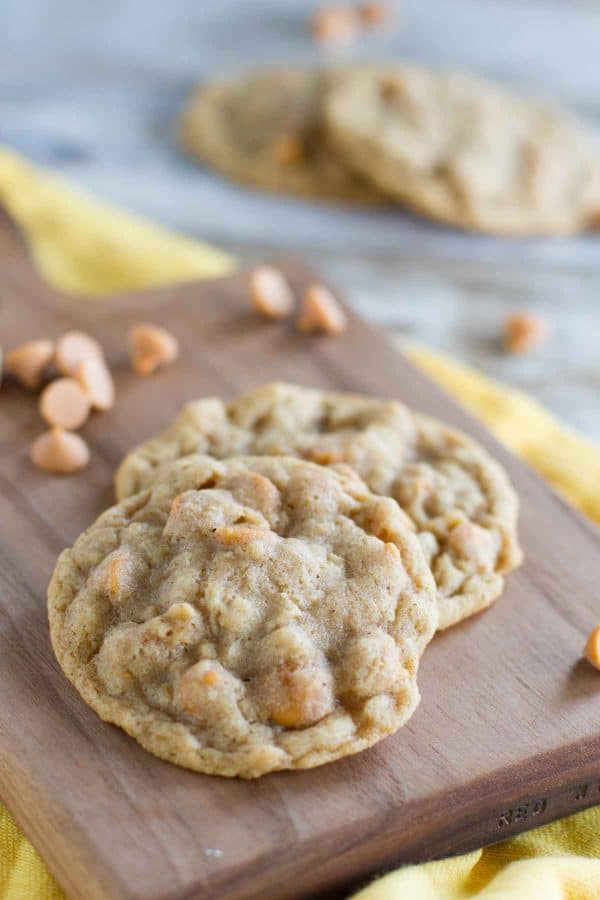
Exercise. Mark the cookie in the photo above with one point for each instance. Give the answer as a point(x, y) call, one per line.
point(459, 499)
point(246, 616)
point(463, 151)
point(264, 130)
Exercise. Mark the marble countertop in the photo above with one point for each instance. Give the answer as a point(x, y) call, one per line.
point(91, 91)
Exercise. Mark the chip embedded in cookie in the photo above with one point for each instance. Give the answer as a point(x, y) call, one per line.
point(264, 129)
point(458, 498)
point(463, 151)
point(246, 616)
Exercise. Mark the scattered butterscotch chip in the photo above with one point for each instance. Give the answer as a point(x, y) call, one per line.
point(592, 648)
point(525, 332)
point(150, 348)
point(72, 349)
point(373, 14)
point(96, 381)
point(289, 150)
point(271, 294)
point(321, 312)
point(65, 404)
point(60, 452)
point(28, 362)
point(335, 24)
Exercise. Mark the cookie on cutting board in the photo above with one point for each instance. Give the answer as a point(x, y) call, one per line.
point(459, 499)
point(246, 616)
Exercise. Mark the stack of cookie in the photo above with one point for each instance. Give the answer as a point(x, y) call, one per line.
point(262, 593)
point(448, 146)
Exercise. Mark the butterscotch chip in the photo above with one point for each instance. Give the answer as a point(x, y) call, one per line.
point(74, 348)
point(271, 294)
point(28, 362)
point(240, 535)
point(459, 500)
point(289, 149)
point(60, 452)
point(374, 14)
point(335, 24)
point(525, 332)
point(592, 647)
point(64, 403)
point(237, 637)
point(97, 382)
point(151, 348)
point(321, 312)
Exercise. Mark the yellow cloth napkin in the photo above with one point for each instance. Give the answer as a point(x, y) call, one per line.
point(85, 248)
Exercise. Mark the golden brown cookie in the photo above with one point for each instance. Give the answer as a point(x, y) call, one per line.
point(247, 615)
point(459, 499)
point(264, 129)
point(463, 151)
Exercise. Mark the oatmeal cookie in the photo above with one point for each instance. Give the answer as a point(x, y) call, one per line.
point(247, 615)
point(264, 129)
point(459, 499)
point(463, 151)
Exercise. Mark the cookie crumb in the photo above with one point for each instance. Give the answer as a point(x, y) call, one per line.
point(524, 332)
point(592, 648)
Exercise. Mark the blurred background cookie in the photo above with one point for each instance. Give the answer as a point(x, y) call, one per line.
point(463, 151)
point(265, 129)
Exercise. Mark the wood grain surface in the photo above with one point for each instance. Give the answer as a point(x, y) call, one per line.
point(507, 734)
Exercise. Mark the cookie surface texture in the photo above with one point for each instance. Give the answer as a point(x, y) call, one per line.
point(247, 616)
point(465, 152)
point(265, 130)
point(458, 498)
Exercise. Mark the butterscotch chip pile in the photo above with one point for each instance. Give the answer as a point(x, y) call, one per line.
point(65, 403)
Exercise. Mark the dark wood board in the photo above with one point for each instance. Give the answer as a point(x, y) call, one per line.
point(507, 735)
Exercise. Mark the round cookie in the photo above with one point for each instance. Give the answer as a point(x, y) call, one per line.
point(463, 151)
point(247, 615)
point(264, 129)
point(459, 499)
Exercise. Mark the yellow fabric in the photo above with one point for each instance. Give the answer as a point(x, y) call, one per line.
point(84, 248)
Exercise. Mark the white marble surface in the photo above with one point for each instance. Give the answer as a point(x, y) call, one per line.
point(91, 90)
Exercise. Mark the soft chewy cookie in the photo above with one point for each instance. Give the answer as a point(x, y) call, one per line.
point(463, 151)
point(459, 499)
point(247, 615)
point(264, 129)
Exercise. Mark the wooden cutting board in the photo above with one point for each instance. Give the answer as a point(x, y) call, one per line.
point(507, 736)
